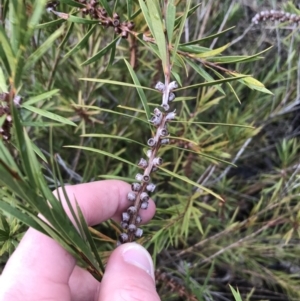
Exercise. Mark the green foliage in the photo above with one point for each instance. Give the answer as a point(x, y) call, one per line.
point(227, 193)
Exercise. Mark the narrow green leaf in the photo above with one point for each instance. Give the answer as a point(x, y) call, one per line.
point(113, 137)
point(194, 49)
point(146, 16)
point(3, 85)
point(170, 19)
point(35, 99)
point(211, 158)
point(5, 61)
point(38, 152)
point(89, 238)
point(38, 10)
point(73, 3)
point(190, 12)
point(113, 82)
point(212, 53)
point(112, 112)
point(99, 54)
point(6, 46)
point(42, 49)
point(235, 293)
point(206, 206)
point(202, 72)
point(7, 159)
point(102, 153)
point(66, 197)
point(20, 215)
point(254, 84)
point(129, 8)
point(106, 6)
point(74, 19)
point(51, 23)
point(139, 90)
point(23, 150)
point(41, 124)
point(213, 36)
point(48, 115)
point(178, 35)
point(66, 36)
point(235, 59)
point(186, 180)
point(212, 83)
point(81, 43)
point(158, 31)
point(217, 123)
point(113, 177)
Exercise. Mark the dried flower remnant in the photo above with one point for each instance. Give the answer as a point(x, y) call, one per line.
point(139, 194)
point(96, 12)
point(274, 15)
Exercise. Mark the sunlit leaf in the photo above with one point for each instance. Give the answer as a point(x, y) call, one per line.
point(48, 115)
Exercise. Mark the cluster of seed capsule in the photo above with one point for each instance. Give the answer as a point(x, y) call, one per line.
point(5, 110)
point(140, 190)
point(96, 12)
point(274, 15)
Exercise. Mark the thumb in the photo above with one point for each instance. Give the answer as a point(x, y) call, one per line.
point(129, 275)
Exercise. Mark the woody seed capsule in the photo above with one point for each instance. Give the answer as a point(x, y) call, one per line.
point(8, 119)
point(131, 196)
point(138, 233)
point(156, 120)
point(151, 142)
point(163, 132)
point(116, 22)
point(146, 178)
point(171, 96)
point(103, 12)
point(170, 116)
point(124, 225)
point(151, 187)
point(157, 112)
point(165, 141)
point(160, 86)
point(144, 205)
point(139, 177)
point(116, 16)
point(135, 186)
point(165, 106)
point(131, 210)
point(125, 216)
point(118, 30)
point(132, 227)
point(124, 34)
point(157, 161)
point(143, 163)
point(130, 25)
point(144, 197)
point(173, 85)
point(123, 237)
point(138, 219)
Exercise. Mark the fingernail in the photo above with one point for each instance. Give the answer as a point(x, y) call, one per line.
point(135, 254)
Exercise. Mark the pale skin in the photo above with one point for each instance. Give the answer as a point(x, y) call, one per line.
point(41, 270)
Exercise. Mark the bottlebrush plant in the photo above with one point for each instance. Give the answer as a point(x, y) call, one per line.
point(118, 90)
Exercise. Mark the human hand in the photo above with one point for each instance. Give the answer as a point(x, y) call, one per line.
point(40, 269)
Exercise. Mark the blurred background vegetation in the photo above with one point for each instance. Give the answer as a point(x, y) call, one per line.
point(199, 244)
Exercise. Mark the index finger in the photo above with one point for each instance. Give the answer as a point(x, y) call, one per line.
point(102, 200)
